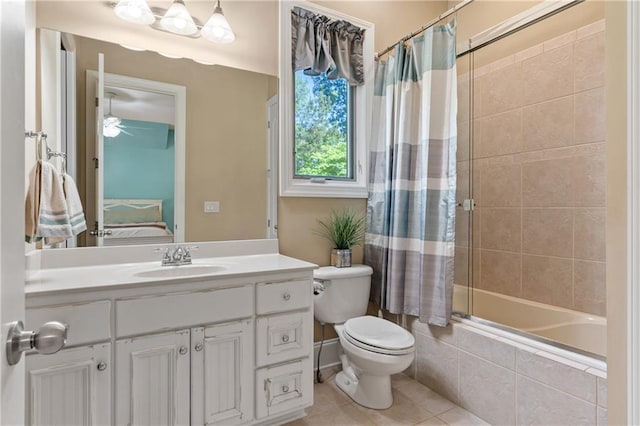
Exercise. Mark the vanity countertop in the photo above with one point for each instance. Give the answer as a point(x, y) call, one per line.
point(98, 277)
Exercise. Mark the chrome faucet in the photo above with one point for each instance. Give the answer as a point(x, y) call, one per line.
point(181, 255)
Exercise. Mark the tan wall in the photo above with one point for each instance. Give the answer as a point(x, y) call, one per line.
point(616, 98)
point(225, 136)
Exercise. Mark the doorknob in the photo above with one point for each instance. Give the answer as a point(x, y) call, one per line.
point(49, 339)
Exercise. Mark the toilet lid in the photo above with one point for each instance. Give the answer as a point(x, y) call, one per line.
point(378, 333)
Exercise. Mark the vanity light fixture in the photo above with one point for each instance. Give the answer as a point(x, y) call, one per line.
point(136, 11)
point(176, 20)
point(217, 29)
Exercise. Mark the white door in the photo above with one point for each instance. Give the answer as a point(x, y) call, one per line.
point(12, 128)
point(72, 387)
point(222, 374)
point(152, 380)
point(99, 152)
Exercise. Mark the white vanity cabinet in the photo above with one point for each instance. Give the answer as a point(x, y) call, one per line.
point(152, 380)
point(71, 387)
point(220, 350)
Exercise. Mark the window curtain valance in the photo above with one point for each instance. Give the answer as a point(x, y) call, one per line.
point(322, 45)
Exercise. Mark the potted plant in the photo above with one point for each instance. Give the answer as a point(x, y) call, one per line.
point(344, 229)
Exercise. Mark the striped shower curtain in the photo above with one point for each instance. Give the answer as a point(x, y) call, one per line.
point(412, 178)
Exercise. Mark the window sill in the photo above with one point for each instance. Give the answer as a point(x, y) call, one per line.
point(304, 188)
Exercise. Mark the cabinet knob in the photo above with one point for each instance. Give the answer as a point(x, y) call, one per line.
point(183, 350)
point(285, 388)
point(198, 347)
point(102, 366)
point(286, 296)
point(285, 338)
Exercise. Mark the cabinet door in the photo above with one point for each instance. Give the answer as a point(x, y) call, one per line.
point(222, 373)
point(71, 387)
point(152, 380)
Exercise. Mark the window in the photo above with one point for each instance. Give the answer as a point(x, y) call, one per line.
point(323, 140)
point(324, 123)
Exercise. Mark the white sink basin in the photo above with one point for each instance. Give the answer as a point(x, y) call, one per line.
point(180, 271)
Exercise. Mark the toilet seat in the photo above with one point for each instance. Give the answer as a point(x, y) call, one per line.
point(378, 335)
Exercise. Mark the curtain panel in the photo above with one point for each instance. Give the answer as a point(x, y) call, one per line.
point(410, 233)
point(322, 45)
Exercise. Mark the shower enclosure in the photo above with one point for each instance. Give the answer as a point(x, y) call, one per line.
point(530, 227)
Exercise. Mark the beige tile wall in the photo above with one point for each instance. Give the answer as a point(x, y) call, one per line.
point(538, 174)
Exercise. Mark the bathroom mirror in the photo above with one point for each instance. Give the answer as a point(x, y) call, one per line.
point(229, 139)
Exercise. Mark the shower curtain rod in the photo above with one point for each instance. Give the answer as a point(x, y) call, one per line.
point(425, 27)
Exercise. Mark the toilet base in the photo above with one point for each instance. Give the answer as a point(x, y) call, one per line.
point(368, 391)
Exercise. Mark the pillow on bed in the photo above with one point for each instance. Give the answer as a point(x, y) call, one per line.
point(147, 214)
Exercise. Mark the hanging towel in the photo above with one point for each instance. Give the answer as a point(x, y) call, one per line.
point(46, 207)
point(74, 206)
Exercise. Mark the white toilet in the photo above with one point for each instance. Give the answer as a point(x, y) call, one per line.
point(374, 348)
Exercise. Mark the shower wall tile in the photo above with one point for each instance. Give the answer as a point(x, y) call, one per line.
point(547, 183)
point(590, 292)
point(448, 334)
point(543, 405)
point(590, 29)
point(487, 390)
point(501, 90)
point(561, 40)
point(548, 280)
point(589, 234)
point(558, 375)
point(502, 186)
point(547, 232)
point(500, 229)
point(589, 180)
point(437, 366)
point(500, 272)
point(548, 76)
point(487, 347)
point(602, 392)
point(461, 266)
point(589, 62)
point(548, 124)
point(529, 53)
point(602, 417)
point(463, 153)
point(590, 116)
point(499, 134)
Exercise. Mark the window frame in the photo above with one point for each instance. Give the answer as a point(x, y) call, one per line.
point(295, 186)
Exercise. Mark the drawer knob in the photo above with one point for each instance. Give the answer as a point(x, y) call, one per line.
point(286, 296)
point(198, 347)
point(183, 350)
point(102, 366)
point(285, 338)
point(285, 388)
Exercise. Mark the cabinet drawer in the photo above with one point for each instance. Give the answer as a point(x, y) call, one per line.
point(283, 337)
point(173, 311)
point(88, 322)
point(285, 296)
point(283, 388)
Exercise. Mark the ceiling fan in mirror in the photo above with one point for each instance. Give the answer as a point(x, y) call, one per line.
point(112, 125)
point(176, 19)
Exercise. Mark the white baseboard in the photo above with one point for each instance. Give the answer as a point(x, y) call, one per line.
point(330, 353)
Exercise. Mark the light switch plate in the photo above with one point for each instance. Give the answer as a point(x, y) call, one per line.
point(212, 206)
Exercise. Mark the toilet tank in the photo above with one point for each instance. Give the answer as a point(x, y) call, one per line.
point(342, 293)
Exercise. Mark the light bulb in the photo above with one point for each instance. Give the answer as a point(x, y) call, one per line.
point(136, 11)
point(217, 29)
point(178, 20)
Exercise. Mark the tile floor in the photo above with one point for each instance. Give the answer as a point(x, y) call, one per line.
point(414, 404)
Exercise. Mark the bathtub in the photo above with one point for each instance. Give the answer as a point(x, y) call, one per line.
point(585, 332)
